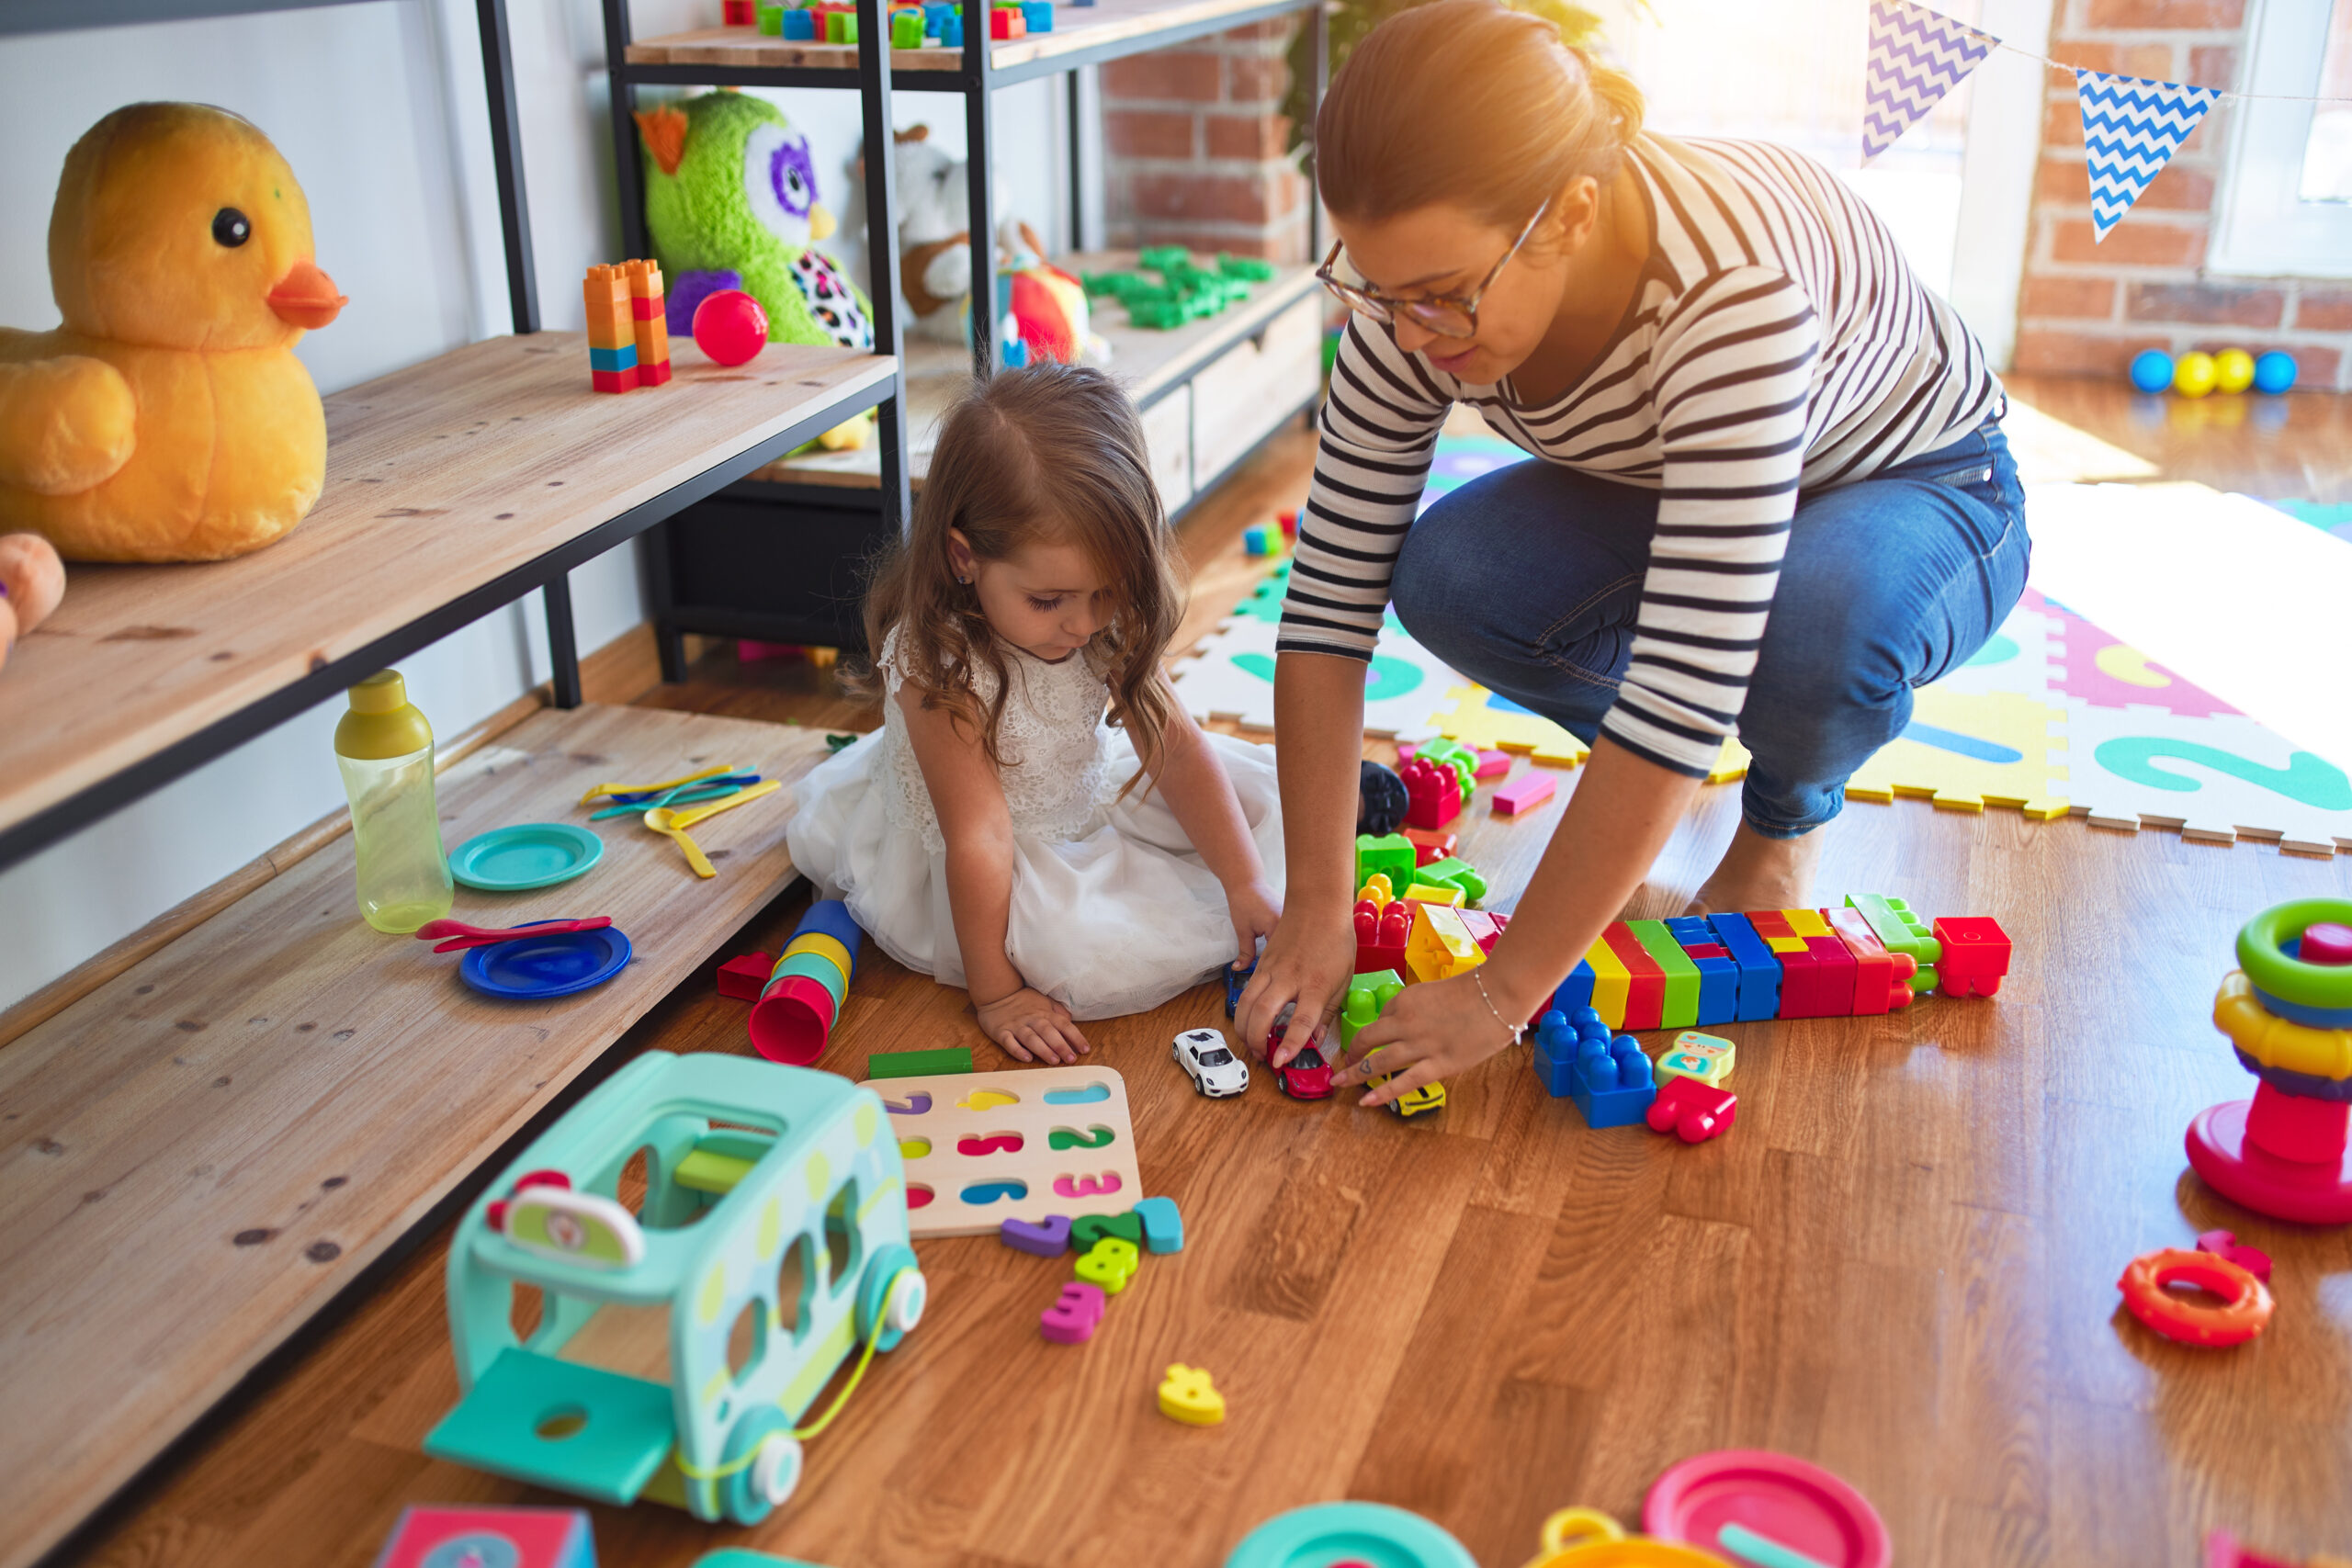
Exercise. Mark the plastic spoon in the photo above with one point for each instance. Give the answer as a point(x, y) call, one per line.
point(604, 789)
point(460, 934)
point(682, 795)
point(663, 819)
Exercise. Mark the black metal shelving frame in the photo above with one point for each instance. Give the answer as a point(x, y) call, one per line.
point(841, 524)
point(548, 574)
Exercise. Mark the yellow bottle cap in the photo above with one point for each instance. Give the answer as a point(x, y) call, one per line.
point(382, 723)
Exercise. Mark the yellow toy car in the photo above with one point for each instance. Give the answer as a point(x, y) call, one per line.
point(1413, 1102)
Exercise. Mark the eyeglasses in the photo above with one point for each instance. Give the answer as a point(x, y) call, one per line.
point(1447, 315)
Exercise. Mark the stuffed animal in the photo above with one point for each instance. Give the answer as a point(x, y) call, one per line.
point(167, 419)
point(1047, 304)
point(935, 235)
point(731, 201)
point(32, 580)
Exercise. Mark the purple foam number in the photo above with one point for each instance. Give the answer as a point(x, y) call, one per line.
point(1049, 1238)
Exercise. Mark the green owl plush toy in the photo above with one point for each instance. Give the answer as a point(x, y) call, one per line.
point(730, 200)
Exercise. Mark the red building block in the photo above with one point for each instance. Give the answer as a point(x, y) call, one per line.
point(743, 979)
point(1646, 982)
point(1380, 935)
point(1692, 1110)
point(1833, 979)
point(1432, 794)
point(1485, 930)
point(1882, 979)
point(1423, 839)
point(1006, 23)
point(1976, 956)
point(1799, 988)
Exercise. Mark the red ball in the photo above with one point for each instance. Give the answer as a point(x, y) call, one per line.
point(730, 327)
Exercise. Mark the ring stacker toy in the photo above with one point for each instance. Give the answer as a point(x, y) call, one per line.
point(1350, 1535)
point(1772, 1510)
point(663, 819)
point(638, 792)
point(1587, 1537)
point(2288, 1010)
point(775, 1201)
point(2245, 1310)
point(449, 936)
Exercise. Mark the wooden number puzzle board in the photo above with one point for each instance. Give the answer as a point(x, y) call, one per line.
point(982, 1147)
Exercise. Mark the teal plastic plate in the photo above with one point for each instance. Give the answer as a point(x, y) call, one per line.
point(1329, 1534)
point(527, 855)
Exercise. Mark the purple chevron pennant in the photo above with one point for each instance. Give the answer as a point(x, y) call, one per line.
point(2131, 127)
point(1916, 56)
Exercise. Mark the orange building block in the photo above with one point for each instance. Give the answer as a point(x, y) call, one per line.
point(611, 330)
point(649, 322)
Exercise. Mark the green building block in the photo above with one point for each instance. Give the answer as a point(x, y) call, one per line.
point(1453, 872)
point(1250, 269)
point(1891, 921)
point(1368, 997)
point(1392, 853)
point(918, 1064)
point(1159, 257)
point(1157, 315)
point(1681, 1005)
point(841, 27)
point(906, 29)
point(1454, 755)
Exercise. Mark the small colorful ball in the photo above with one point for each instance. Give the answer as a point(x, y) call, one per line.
point(2274, 372)
point(2233, 370)
point(2152, 370)
point(730, 327)
point(2193, 377)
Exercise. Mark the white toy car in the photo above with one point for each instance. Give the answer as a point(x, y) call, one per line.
point(1215, 1071)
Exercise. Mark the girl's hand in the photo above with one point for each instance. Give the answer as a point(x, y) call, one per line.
point(1307, 963)
point(1427, 1032)
point(1032, 1026)
point(1256, 912)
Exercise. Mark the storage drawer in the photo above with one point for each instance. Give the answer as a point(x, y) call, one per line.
point(1168, 431)
point(1242, 395)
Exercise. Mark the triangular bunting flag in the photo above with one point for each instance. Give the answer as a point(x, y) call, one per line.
point(1916, 56)
point(2131, 127)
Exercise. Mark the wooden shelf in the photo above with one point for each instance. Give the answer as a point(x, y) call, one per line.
point(203, 1151)
point(1149, 362)
point(1082, 35)
point(451, 487)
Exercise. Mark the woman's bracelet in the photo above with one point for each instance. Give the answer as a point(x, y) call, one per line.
point(1518, 1030)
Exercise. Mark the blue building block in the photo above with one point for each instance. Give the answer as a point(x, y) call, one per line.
point(1759, 971)
point(1038, 14)
point(1612, 1081)
point(799, 24)
point(951, 32)
point(1556, 1053)
point(935, 16)
point(1718, 977)
point(1576, 991)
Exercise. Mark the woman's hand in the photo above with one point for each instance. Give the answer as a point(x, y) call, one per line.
point(1032, 1026)
point(1306, 965)
point(1427, 1032)
point(1256, 912)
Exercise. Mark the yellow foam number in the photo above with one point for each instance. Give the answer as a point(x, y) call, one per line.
point(1187, 1396)
point(1110, 1264)
point(986, 1099)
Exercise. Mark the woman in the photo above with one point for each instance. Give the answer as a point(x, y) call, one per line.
point(1773, 494)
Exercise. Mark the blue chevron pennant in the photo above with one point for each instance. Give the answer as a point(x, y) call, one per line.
point(1916, 56)
point(2131, 127)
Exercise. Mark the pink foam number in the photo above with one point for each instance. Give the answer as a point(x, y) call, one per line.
point(1072, 1317)
point(1523, 793)
point(1100, 1186)
point(1492, 764)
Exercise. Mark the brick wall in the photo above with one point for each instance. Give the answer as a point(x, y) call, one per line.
point(2086, 309)
point(1195, 137)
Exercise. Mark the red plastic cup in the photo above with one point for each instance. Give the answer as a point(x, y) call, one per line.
point(790, 1021)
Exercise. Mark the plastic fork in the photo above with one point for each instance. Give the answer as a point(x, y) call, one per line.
point(603, 790)
point(683, 795)
point(663, 819)
point(461, 935)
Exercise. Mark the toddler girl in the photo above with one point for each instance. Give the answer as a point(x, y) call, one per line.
point(996, 833)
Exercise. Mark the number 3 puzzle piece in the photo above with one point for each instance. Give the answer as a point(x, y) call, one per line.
point(1100, 1186)
point(1086, 1231)
point(1187, 1396)
point(1071, 1319)
point(1109, 1264)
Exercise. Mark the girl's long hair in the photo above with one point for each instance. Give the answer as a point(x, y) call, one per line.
point(1051, 453)
point(1468, 102)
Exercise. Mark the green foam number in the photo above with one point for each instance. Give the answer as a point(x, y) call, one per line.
point(2306, 779)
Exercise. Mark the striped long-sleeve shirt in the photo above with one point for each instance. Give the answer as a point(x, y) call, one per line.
point(1776, 340)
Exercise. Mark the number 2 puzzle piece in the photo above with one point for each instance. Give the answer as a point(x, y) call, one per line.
point(1048, 1238)
point(1163, 1225)
point(1086, 1231)
point(1187, 1396)
point(1072, 1318)
point(1110, 1264)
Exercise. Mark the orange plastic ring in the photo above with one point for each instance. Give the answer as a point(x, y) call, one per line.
point(2245, 1312)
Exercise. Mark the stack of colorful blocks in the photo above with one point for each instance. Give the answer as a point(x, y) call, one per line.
point(628, 333)
point(796, 1012)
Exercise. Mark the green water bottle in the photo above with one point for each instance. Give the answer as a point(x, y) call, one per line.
point(385, 750)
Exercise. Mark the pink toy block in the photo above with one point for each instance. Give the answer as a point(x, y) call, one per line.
point(1523, 793)
point(513, 1538)
point(1433, 794)
point(1976, 956)
point(743, 979)
point(1693, 1111)
point(1492, 765)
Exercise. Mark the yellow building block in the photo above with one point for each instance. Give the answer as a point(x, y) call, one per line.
point(1439, 946)
point(1431, 892)
point(1611, 980)
point(1378, 890)
point(1806, 922)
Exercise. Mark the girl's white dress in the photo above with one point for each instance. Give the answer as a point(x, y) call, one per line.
point(1113, 910)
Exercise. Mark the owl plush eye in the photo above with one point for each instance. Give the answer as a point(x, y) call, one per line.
point(780, 182)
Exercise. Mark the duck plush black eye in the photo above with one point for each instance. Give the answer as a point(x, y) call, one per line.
point(230, 228)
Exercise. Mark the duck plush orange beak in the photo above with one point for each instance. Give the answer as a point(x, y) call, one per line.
point(305, 296)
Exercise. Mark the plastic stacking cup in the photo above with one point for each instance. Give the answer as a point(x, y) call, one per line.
point(814, 966)
point(817, 944)
point(830, 916)
point(791, 1020)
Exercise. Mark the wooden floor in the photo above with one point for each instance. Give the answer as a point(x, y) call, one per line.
point(1901, 1264)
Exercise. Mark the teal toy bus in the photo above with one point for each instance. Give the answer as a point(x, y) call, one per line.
point(773, 1236)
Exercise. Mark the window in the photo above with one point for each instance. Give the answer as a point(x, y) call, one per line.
point(2287, 200)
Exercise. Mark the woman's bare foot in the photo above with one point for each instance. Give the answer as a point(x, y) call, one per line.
point(1758, 872)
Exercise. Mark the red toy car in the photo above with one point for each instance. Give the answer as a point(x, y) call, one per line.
point(1305, 1076)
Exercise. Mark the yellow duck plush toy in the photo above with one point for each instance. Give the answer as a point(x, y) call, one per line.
point(168, 419)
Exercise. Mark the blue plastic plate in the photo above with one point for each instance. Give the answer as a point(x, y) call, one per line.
point(533, 968)
point(528, 854)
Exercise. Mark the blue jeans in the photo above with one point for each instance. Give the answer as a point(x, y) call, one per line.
point(1528, 580)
